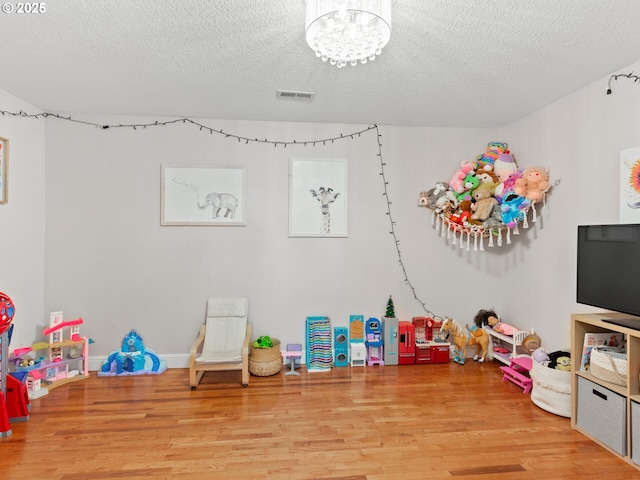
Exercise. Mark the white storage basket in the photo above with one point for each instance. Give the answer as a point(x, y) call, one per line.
point(609, 364)
point(551, 389)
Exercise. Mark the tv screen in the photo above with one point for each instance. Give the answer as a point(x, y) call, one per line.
point(608, 267)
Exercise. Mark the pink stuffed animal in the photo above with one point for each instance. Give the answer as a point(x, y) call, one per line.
point(533, 184)
point(457, 181)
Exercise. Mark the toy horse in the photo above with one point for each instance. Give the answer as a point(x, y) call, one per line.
point(463, 337)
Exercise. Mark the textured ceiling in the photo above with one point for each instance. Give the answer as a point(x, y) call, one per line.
point(449, 62)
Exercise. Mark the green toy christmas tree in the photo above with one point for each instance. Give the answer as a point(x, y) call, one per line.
point(390, 312)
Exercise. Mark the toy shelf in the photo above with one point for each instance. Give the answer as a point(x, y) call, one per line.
point(605, 412)
point(511, 343)
point(58, 372)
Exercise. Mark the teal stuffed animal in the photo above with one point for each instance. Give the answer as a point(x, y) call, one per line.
point(513, 209)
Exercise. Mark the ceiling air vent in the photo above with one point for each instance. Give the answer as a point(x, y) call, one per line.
point(294, 94)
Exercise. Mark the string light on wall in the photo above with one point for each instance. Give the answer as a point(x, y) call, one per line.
point(202, 127)
point(393, 227)
point(247, 140)
point(630, 75)
point(345, 32)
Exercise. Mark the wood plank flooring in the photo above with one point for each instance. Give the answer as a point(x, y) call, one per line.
point(443, 421)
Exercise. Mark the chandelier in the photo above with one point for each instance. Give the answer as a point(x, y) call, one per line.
point(348, 31)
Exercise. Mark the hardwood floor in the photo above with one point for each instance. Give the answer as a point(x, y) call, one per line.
point(442, 421)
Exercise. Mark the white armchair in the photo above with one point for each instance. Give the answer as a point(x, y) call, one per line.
point(223, 342)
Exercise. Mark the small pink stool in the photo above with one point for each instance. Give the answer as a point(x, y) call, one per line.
point(294, 350)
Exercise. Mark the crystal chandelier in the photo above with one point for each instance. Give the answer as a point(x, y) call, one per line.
point(348, 31)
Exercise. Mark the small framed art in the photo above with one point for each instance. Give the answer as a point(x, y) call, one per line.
point(630, 185)
point(4, 169)
point(203, 196)
point(318, 197)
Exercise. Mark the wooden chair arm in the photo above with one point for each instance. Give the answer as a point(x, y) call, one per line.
point(247, 340)
point(198, 343)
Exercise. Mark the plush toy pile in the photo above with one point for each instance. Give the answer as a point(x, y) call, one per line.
point(485, 197)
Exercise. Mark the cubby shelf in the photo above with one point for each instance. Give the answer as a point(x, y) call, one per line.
point(598, 406)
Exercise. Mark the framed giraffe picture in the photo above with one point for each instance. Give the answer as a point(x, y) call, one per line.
point(318, 193)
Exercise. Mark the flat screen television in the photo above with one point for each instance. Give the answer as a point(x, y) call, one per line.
point(608, 268)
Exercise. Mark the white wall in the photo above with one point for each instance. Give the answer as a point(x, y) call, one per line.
point(580, 137)
point(109, 260)
point(22, 219)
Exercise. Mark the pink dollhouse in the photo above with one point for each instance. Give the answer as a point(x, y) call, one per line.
point(65, 348)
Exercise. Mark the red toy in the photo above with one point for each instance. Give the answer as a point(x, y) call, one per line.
point(7, 311)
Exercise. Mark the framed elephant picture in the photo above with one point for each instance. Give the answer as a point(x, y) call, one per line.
point(202, 195)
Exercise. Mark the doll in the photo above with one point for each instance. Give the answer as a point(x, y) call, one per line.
point(489, 317)
point(501, 327)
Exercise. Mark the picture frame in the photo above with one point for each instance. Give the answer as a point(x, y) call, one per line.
point(630, 185)
point(318, 197)
point(203, 195)
point(4, 170)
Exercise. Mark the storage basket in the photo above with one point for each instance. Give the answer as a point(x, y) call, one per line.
point(264, 362)
point(609, 364)
point(551, 389)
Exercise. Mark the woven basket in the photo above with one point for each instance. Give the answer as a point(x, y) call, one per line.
point(264, 362)
point(609, 364)
point(265, 369)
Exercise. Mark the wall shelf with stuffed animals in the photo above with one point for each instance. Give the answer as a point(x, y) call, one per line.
point(487, 199)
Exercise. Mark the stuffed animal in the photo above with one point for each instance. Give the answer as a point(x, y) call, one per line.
point(533, 184)
point(513, 209)
point(560, 360)
point(447, 203)
point(459, 217)
point(430, 197)
point(495, 220)
point(487, 177)
point(504, 165)
point(485, 202)
point(263, 342)
point(470, 183)
point(487, 159)
point(507, 172)
point(465, 206)
point(457, 181)
point(540, 356)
